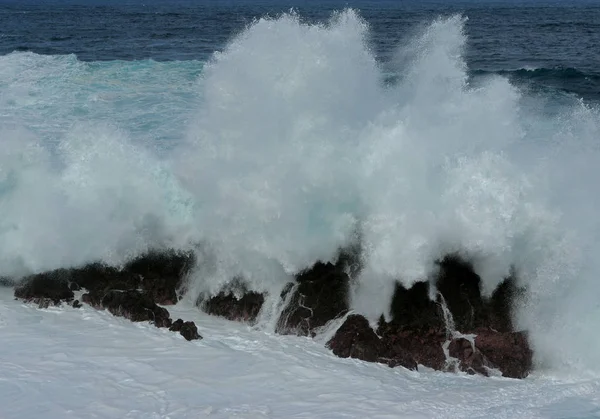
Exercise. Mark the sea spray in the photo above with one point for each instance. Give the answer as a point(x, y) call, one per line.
point(294, 144)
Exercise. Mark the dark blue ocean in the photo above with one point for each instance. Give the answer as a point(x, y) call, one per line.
point(542, 43)
point(264, 135)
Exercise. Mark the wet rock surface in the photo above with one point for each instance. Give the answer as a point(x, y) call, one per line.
point(53, 286)
point(137, 306)
point(426, 319)
point(187, 329)
point(133, 291)
point(419, 328)
point(508, 351)
point(234, 303)
point(321, 295)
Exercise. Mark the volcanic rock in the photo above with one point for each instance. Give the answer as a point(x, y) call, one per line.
point(460, 287)
point(320, 296)
point(471, 360)
point(414, 309)
point(134, 305)
point(53, 286)
point(356, 339)
point(234, 303)
point(509, 352)
point(423, 346)
point(186, 329)
point(161, 274)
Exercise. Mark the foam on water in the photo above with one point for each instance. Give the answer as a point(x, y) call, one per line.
point(290, 145)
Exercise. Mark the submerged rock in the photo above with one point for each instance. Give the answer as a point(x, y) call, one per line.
point(186, 329)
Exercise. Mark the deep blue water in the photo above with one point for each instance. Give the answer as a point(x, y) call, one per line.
point(559, 40)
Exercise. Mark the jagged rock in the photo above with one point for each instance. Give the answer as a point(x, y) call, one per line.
point(470, 359)
point(76, 304)
point(424, 346)
point(134, 305)
point(52, 285)
point(461, 290)
point(356, 339)
point(161, 273)
point(235, 303)
point(320, 296)
point(100, 277)
point(414, 309)
point(501, 304)
point(509, 352)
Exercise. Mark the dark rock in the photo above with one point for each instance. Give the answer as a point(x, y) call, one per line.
point(159, 273)
point(100, 277)
point(136, 306)
point(423, 346)
point(162, 273)
point(460, 287)
point(320, 296)
point(509, 352)
point(76, 304)
point(51, 285)
point(413, 308)
point(470, 359)
point(356, 339)
point(501, 304)
point(176, 326)
point(234, 303)
point(189, 331)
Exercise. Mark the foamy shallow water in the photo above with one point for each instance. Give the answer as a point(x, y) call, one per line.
point(65, 362)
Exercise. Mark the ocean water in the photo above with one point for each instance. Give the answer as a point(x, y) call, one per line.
point(265, 135)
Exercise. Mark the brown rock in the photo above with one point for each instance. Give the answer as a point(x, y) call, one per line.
point(470, 359)
point(509, 351)
point(356, 339)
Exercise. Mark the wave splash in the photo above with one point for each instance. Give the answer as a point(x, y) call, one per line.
point(298, 148)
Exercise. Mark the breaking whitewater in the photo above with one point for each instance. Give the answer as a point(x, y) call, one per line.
point(442, 225)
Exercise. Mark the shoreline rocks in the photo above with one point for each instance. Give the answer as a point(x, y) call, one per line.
point(133, 291)
point(442, 322)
